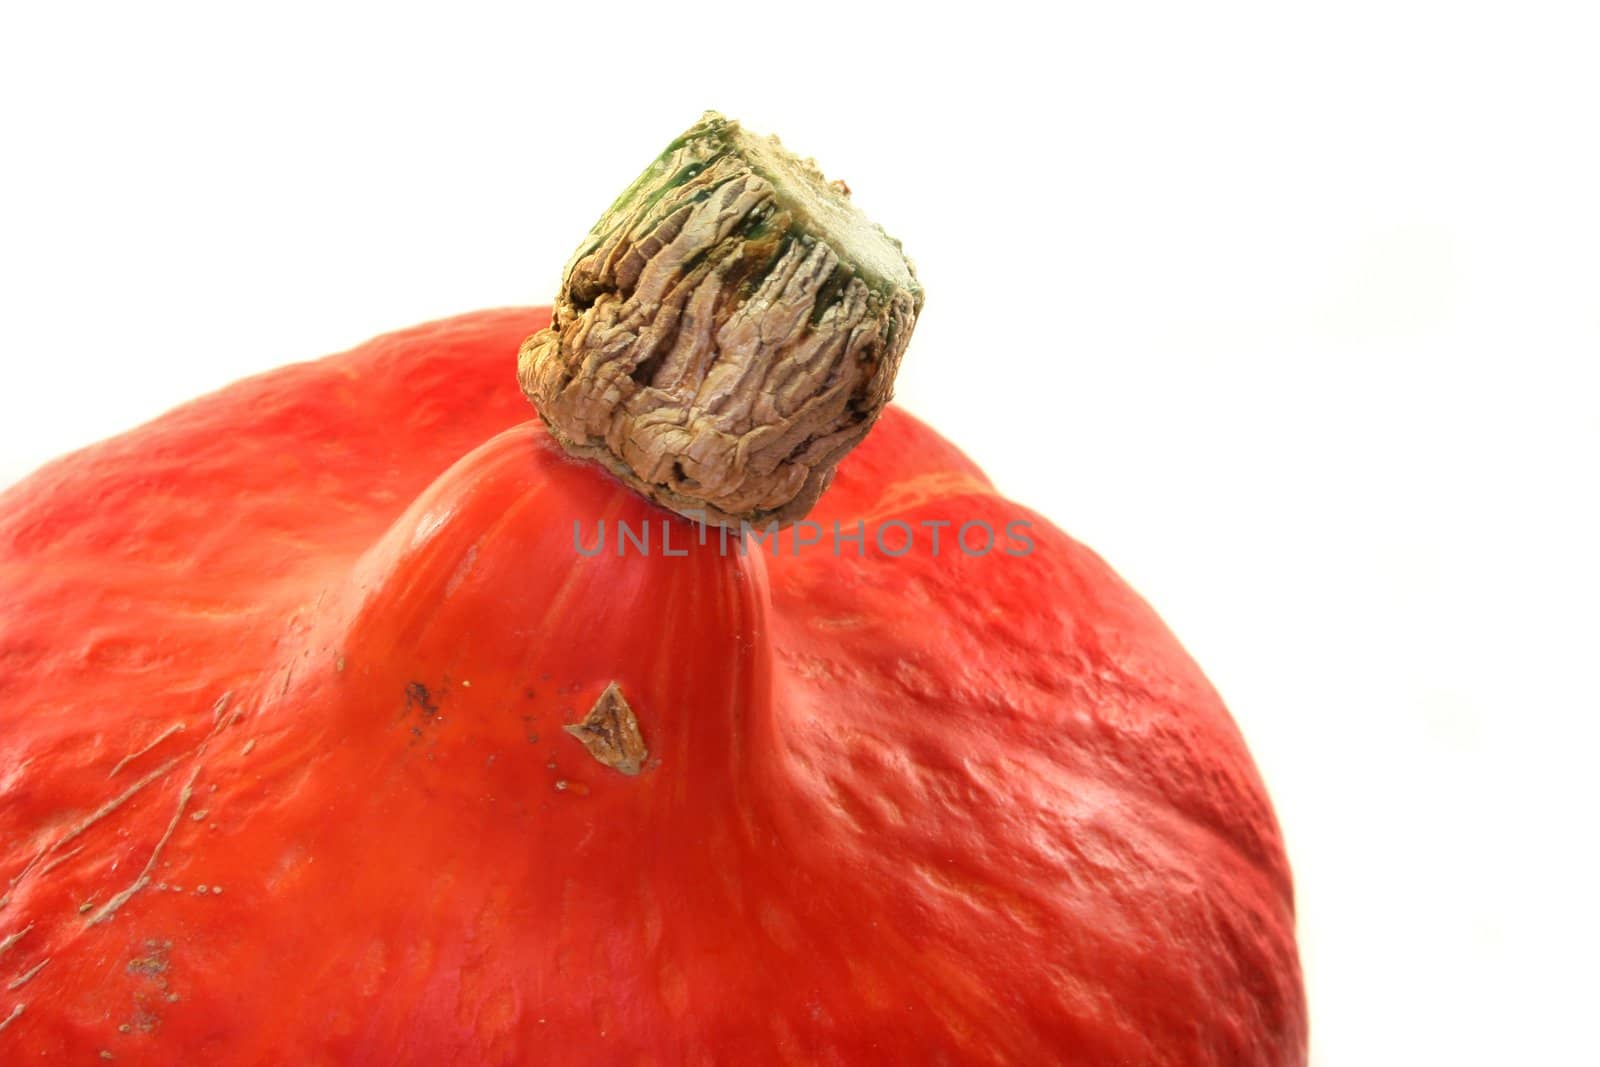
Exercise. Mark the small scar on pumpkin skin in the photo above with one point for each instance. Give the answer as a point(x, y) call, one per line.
point(11, 939)
point(27, 976)
point(610, 733)
point(59, 860)
point(176, 727)
point(109, 909)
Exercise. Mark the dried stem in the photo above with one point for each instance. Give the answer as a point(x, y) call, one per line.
point(728, 331)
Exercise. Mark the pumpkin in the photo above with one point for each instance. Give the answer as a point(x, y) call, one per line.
point(351, 717)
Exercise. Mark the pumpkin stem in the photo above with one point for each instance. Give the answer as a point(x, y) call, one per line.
point(730, 328)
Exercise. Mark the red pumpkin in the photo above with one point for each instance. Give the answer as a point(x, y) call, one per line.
point(286, 773)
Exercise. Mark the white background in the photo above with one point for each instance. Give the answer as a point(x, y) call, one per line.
point(1290, 312)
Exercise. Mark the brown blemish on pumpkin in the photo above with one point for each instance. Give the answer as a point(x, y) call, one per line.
point(417, 696)
point(610, 733)
point(155, 962)
point(151, 968)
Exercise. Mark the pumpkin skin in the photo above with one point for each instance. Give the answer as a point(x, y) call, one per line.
point(312, 641)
